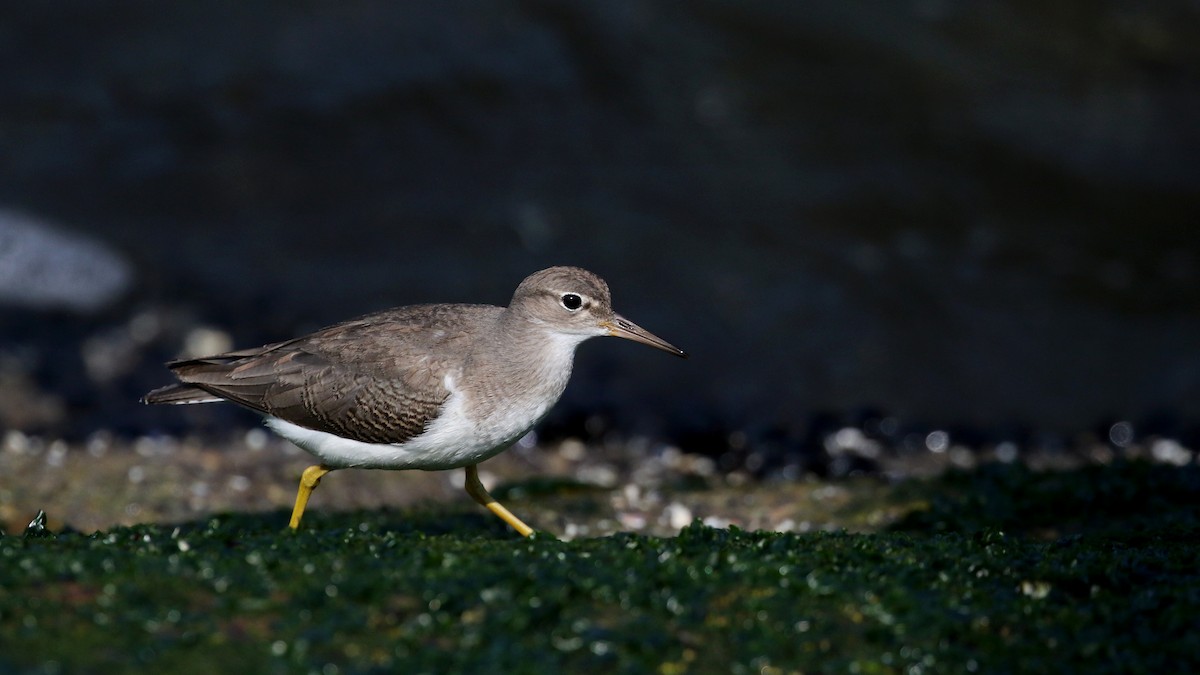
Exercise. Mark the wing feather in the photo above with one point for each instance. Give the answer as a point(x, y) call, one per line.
point(378, 379)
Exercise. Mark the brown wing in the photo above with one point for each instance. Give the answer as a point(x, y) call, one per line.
point(379, 379)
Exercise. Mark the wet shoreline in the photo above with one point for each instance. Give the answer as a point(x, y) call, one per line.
point(569, 487)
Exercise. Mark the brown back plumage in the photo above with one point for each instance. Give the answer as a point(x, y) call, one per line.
point(376, 379)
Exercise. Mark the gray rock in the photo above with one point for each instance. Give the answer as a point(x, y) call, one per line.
point(43, 267)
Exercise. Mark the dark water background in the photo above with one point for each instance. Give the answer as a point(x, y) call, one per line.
point(974, 215)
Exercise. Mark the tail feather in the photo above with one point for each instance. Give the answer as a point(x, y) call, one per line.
point(177, 394)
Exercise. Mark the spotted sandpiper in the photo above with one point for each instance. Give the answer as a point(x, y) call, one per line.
point(429, 387)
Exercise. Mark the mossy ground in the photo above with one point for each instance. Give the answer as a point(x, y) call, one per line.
point(997, 570)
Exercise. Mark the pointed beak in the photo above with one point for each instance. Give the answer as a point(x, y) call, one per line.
point(621, 327)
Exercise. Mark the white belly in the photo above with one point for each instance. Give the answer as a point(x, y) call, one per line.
point(452, 440)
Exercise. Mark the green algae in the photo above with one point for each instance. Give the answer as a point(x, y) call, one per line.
point(426, 592)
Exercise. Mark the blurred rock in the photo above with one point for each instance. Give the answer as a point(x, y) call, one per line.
point(109, 355)
point(22, 404)
point(44, 267)
point(205, 341)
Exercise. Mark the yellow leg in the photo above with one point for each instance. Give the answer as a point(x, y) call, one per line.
point(308, 482)
point(479, 494)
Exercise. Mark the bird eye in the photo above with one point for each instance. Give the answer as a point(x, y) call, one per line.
point(571, 301)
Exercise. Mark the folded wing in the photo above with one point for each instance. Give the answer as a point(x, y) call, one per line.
point(376, 380)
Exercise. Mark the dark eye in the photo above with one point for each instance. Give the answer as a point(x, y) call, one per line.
point(572, 301)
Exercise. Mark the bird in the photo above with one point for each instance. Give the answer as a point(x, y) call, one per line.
point(431, 387)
